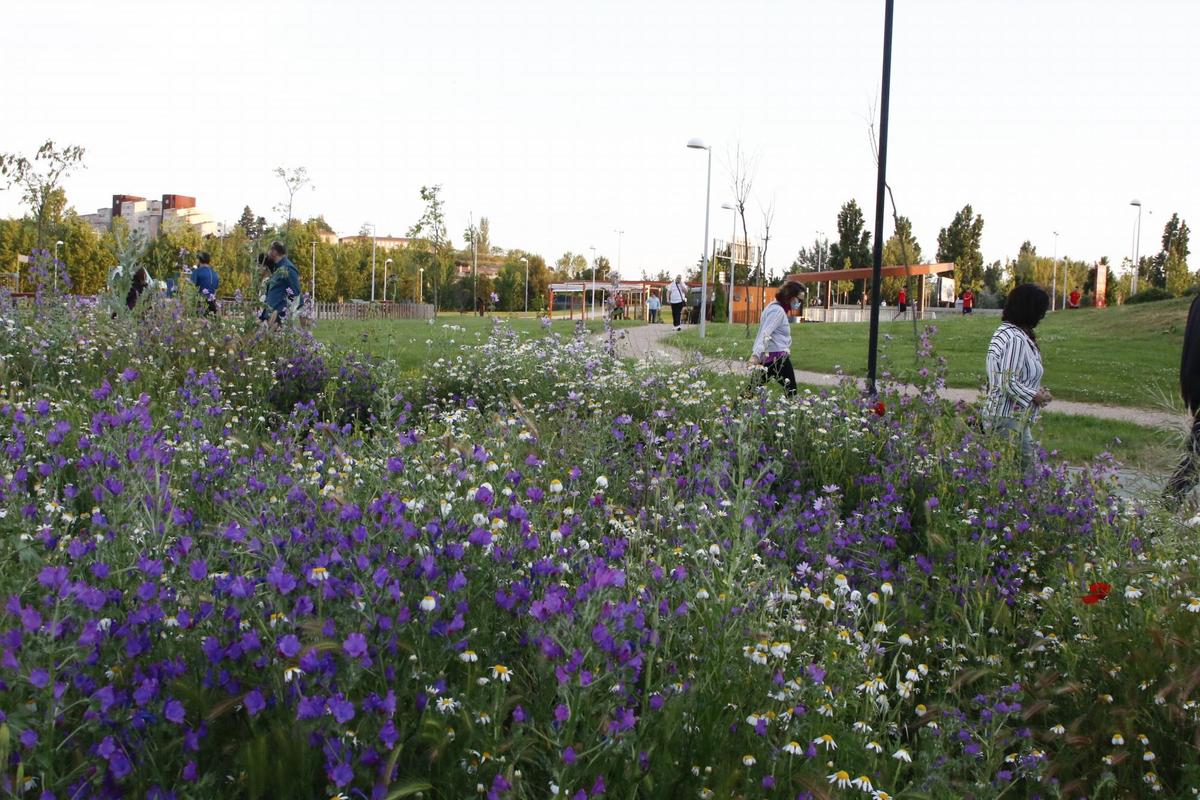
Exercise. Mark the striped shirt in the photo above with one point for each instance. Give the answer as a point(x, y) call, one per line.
point(1014, 368)
point(774, 333)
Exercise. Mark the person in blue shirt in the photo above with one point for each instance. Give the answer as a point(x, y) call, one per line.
point(207, 281)
point(284, 285)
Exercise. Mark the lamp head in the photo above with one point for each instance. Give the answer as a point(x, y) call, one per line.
point(524, 260)
point(60, 243)
point(387, 261)
point(1137, 203)
point(729, 206)
point(697, 144)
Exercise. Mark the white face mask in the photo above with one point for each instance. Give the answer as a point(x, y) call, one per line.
point(795, 305)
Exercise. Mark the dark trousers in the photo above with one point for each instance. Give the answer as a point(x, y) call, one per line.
point(676, 313)
point(781, 370)
point(653, 315)
point(1184, 479)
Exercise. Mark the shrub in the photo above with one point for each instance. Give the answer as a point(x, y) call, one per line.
point(1149, 295)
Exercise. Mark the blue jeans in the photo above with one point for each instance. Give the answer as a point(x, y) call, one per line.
point(1017, 429)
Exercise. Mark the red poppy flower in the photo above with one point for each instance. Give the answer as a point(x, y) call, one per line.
point(1092, 599)
point(1100, 589)
point(880, 409)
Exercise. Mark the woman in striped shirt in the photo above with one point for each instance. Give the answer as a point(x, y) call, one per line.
point(773, 345)
point(1014, 368)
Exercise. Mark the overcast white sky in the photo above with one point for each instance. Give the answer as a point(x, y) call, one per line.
point(564, 121)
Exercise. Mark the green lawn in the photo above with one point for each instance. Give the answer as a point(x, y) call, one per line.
point(412, 343)
point(1126, 355)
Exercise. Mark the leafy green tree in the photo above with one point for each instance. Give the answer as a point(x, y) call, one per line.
point(1023, 268)
point(84, 256)
point(39, 178)
point(961, 243)
point(813, 258)
point(901, 249)
point(853, 246)
point(993, 278)
point(254, 227)
point(570, 266)
point(431, 230)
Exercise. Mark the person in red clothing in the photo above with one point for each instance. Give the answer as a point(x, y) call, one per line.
point(968, 299)
point(1073, 299)
point(902, 302)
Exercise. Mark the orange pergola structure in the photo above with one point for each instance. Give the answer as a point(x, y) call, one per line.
point(829, 276)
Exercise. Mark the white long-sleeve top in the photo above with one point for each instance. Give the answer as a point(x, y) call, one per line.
point(1014, 368)
point(774, 332)
point(676, 293)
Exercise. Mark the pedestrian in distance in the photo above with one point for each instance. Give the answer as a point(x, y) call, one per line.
point(207, 280)
point(1073, 298)
point(1184, 479)
point(653, 304)
point(902, 303)
point(1014, 368)
point(283, 288)
point(676, 297)
point(968, 302)
point(771, 355)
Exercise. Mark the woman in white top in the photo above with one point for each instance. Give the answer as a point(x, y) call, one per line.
point(773, 345)
point(1014, 368)
point(676, 297)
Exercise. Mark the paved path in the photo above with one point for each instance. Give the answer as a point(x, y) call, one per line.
point(652, 343)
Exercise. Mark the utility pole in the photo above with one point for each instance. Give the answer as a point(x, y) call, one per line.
point(880, 192)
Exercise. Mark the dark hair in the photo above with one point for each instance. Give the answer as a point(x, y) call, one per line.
point(202, 257)
point(787, 292)
point(279, 248)
point(1025, 307)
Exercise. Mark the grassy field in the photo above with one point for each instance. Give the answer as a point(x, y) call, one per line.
point(412, 343)
point(1126, 356)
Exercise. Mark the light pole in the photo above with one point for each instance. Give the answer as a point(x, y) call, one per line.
point(732, 259)
point(619, 234)
point(387, 262)
point(421, 285)
point(525, 261)
point(314, 270)
point(593, 249)
point(1054, 268)
point(698, 144)
point(57, 245)
point(372, 227)
point(1137, 245)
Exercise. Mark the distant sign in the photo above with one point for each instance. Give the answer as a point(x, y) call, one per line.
point(945, 290)
point(1101, 285)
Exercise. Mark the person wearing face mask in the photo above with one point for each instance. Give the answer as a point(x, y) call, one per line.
point(773, 345)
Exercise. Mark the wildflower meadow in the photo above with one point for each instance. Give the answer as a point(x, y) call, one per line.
point(240, 563)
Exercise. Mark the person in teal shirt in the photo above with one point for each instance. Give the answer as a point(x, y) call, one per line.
point(284, 285)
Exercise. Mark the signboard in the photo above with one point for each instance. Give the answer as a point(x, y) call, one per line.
point(945, 290)
point(1101, 285)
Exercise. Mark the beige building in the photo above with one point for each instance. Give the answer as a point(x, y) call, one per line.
point(151, 217)
point(381, 242)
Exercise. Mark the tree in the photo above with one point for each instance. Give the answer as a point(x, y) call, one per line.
point(993, 278)
point(293, 181)
point(254, 227)
point(902, 248)
point(39, 177)
point(1023, 268)
point(571, 265)
point(1169, 267)
point(742, 171)
point(960, 243)
point(814, 258)
point(853, 247)
point(431, 227)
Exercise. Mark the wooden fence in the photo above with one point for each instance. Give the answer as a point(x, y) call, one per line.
point(381, 310)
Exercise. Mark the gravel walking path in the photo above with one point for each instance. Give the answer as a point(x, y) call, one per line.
point(652, 343)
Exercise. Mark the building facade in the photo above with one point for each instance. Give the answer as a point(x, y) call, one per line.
point(151, 217)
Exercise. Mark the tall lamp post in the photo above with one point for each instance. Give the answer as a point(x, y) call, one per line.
point(387, 262)
point(372, 227)
point(1137, 245)
point(593, 249)
point(1054, 268)
point(732, 259)
point(619, 234)
point(57, 245)
point(880, 190)
point(525, 261)
point(698, 144)
point(421, 285)
point(314, 270)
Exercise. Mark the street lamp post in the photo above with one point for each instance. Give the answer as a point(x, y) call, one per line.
point(525, 261)
point(314, 270)
point(57, 245)
point(698, 144)
point(372, 260)
point(387, 262)
point(1054, 270)
point(880, 189)
point(593, 249)
point(619, 234)
point(1137, 245)
point(732, 259)
point(421, 285)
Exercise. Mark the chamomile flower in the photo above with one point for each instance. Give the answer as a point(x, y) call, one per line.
point(1118, 739)
point(501, 673)
point(794, 748)
point(862, 782)
point(826, 740)
point(428, 603)
point(468, 656)
point(1192, 606)
point(319, 574)
point(749, 760)
point(902, 755)
point(874, 747)
point(840, 779)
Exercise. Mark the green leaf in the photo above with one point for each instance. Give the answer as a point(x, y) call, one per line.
point(409, 789)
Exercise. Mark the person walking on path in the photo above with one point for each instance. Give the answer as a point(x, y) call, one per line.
point(676, 297)
point(773, 346)
point(207, 280)
point(653, 304)
point(902, 302)
point(968, 299)
point(283, 287)
point(1184, 479)
point(1014, 369)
